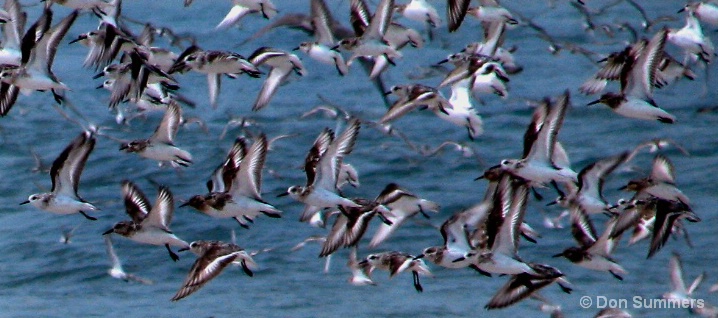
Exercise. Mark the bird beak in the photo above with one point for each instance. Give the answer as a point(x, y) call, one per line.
point(442, 61)
point(419, 256)
point(100, 86)
point(558, 255)
point(336, 47)
point(623, 188)
point(283, 194)
point(183, 249)
point(594, 102)
point(184, 204)
point(460, 259)
point(479, 177)
point(108, 231)
point(681, 10)
point(24, 202)
point(552, 203)
point(124, 146)
point(295, 49)
point(75, 40)
point(98, 75)
point(174, 68)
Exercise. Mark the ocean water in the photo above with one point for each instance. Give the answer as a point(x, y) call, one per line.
point(43, 277)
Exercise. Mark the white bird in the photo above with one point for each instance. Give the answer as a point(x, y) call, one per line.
point(116, 271)
point(372, 42)
point(692, 40)
point(539, 165)
point(160, 146)
point(34, 73)
point(322, 166)
point(148, 224)
point(321, 49)
point(661, 183)
point(282, 64)
point(594, 252)
point(235, 187)
point(636, 97)
point(213, 257)
point(214, 64)
point(402, 205)
point(705, 11)
point(13, 28)
point(241, 8)
point(65, 174)
point(360, 275)
point(588, 192)
point(679, 291)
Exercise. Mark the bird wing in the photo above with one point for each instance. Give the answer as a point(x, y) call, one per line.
point(136, 204)
point(161, 214)
point(68, 166)
point(248, 181)
point(169, 125)
point(331, 161)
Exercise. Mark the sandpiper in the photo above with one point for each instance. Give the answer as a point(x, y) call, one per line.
point(661, 182)
point(322, 166)
point(282, 64)
point(148, 224)
point(116, 271)
point(65, 174)
point(213, 257)
point(402, 205)
point(240, 8)
point(241, 198)
point(539, 165)
point(635, 99)
point(594, 252)
point(321, 49)
point(160, 146)
point(12, 30)
point(39, 46)
point(587, 193)
point(396, 263)
point(372, 42)
point(214, 64)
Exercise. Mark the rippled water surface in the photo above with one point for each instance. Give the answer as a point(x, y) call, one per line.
point(42, 277)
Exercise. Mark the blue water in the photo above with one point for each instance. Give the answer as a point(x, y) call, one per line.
point(42, 277)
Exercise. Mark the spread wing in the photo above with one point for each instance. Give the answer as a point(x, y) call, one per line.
point(248, 181)
point(663, 170)
point(320, 146)
point(167, 129)
point(331, 161)
point(204, 269)
point(161, 214)
point(67, 168)
point(136, 204)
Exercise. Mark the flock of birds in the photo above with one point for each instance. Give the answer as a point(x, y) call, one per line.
point(140, 78)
